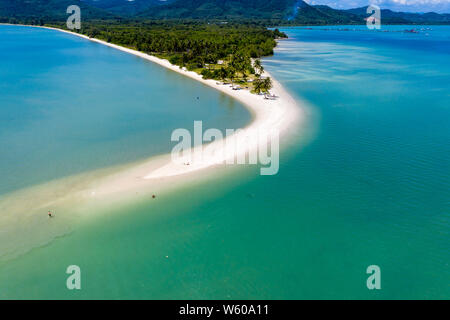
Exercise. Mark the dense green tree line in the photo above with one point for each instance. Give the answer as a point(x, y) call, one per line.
point(216, 50)
point(190, 45)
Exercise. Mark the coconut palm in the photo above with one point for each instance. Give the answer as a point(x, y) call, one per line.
point(258, 85)
point(267, 84)
point(231, 74)
point(241, 63)
point(223, 73)
point(259, 69)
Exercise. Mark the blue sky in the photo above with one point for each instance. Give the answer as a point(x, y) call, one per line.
point(396, 5)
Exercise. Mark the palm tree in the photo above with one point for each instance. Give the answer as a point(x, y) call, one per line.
point(223, 73)
point(241, 63)
point(258, 85)
point(231, 74)
point(258, 67)
point(267, 84)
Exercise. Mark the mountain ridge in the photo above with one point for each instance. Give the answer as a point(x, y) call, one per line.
point(210, 9)
point(126, 7)
point(393, 17)
point(48, 10)
point(269, 12)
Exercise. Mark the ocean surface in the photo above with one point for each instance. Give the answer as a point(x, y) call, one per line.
point(365, 182)
point(69, 106)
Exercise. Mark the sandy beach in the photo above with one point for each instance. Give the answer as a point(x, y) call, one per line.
point(108, 186)
point(268, 116)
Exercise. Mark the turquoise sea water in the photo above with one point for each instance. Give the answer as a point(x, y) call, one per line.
point(69, 105)
point(369, 185)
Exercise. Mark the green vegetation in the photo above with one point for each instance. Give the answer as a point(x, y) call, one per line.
point(262, 12)
point(39, 12)
point(219, 39)
point(226, 52)
point(223, 9)
point(215, 49)
point(126, 7)
point(391, 17)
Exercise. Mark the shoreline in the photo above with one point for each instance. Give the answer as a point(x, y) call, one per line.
point(77, 197)
point(267, 115)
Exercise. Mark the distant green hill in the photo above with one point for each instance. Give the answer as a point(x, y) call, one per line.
point(268, 12)
point(281, 11)
point(45, 10)
point(223, 9)
point(391, 17)
point(323, 15)
point(126, 7)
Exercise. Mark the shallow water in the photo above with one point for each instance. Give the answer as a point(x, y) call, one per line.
point(369, 185)
point(69, 105)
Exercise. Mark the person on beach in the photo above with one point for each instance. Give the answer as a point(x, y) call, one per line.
point(50, 214)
